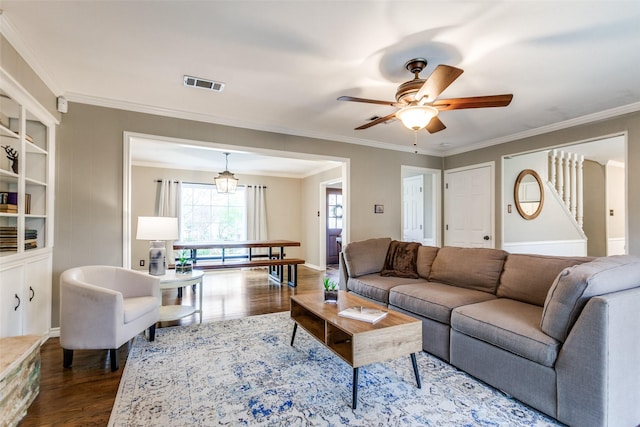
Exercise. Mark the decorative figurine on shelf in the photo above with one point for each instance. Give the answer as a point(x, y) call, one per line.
point(12, 154)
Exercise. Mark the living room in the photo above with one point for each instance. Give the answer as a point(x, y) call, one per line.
point(88, 187)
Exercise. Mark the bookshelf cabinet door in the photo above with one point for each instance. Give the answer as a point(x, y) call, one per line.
point(11, 301)
point(37, 293)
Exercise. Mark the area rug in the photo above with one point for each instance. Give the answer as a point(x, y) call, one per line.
point(244, 372)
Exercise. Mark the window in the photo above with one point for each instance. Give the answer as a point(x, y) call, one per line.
point(334, 216)
point(207, 216)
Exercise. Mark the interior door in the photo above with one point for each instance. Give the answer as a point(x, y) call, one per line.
point(334, 224)
point(468, 207)
point(413, 211)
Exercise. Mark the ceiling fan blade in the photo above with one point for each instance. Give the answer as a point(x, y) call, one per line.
point(435, 125)
point(473, 102)
point(437, 82)
point(376, 121)
point(370, 101)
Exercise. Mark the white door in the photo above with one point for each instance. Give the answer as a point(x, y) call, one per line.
point(413, 209)
point(468, 207)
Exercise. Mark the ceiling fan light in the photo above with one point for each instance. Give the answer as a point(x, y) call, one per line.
point(416, 117)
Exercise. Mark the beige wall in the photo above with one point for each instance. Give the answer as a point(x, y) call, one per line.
point(284, 197)
point(629, 123)
point(554, 224)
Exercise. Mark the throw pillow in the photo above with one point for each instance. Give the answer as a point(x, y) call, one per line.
point(401, 260)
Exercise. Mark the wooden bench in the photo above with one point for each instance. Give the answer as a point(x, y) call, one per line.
point(275, 260)
point(276, 270)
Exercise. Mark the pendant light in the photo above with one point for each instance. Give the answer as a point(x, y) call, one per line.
point(226, 183)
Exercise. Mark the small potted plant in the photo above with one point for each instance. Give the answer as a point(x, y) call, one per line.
point(330, 291)
point(183, 266)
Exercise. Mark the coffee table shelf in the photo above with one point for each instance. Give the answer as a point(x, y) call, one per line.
point(357, 342)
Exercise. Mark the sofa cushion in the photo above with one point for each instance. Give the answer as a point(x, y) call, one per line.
point(377, 287)
point(576, 285)
point(366, 257)
point(511, 325)
point(426, 256)
point(472, 268)
point(527, 277)
point(434, 300)
point(401, 260)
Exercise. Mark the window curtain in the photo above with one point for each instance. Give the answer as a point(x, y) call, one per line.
point(168, 204)
point(257, 214)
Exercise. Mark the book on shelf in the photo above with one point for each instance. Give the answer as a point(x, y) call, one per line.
point(9, 238)
point(10, 198)
point(366, 314)
point(8, 208)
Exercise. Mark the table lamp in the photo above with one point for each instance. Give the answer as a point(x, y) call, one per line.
point(157, 229)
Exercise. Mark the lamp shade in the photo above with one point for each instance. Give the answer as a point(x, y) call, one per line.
point(416, 117)
point(157, 228)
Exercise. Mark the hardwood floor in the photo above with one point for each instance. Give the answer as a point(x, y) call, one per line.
point(84, 394)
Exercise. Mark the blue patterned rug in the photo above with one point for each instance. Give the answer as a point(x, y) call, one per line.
point(245, 373)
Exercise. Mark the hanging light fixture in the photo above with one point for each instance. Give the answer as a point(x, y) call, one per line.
point(416, 117)
point(226, 182)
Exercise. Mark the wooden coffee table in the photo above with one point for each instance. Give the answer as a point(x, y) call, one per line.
point(357, 342)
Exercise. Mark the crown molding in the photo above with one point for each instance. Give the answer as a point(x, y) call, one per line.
point(130, 106)
point(582, 120)
point(226, 121)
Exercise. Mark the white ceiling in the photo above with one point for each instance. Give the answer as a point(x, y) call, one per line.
point(284, 63)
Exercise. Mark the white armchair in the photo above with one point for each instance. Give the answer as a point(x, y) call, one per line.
point(103, 307)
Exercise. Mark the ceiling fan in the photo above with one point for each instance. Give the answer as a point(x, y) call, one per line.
point(416, 100)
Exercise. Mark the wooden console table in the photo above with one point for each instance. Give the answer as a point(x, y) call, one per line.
point(274, 259)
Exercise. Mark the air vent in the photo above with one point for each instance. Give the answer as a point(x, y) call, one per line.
point(203, 83)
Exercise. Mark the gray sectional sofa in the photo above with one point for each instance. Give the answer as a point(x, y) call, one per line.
point(561, 334)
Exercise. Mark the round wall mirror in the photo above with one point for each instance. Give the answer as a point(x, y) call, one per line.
point(529, 194)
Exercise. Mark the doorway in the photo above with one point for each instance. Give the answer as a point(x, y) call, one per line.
point(421, 205)
point(334, 213)
point(585, 210)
